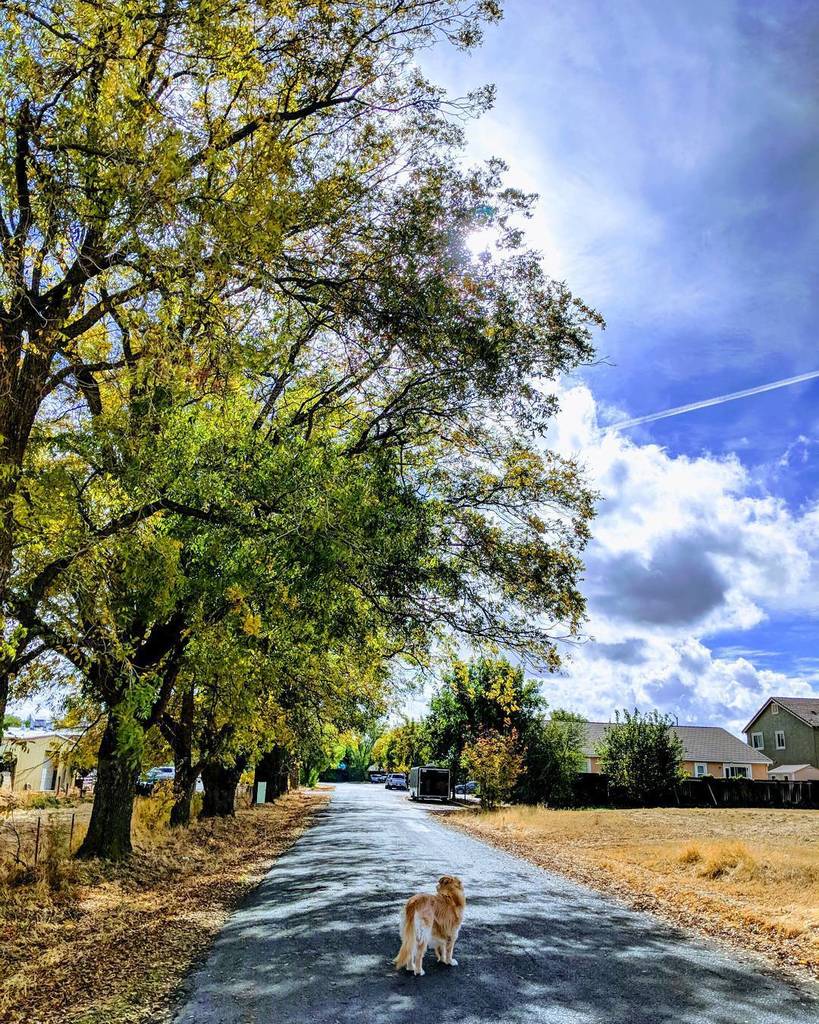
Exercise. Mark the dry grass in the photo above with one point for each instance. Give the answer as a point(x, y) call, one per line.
point(89, 943)
point(748, 876)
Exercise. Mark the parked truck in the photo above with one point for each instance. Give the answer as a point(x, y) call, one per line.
point(428, 782)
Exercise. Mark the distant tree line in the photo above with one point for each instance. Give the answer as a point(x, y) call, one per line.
point(488, 722)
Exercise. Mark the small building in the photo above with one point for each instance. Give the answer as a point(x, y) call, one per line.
point(787, 730)
point(794, 773)
point(707, 750)
point(37, 760)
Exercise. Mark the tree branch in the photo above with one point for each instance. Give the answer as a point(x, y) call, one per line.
point(280, 117)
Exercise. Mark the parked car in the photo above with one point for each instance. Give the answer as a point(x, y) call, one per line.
point(164, 773)
point(378, 777)
point(467, 788)
point(396, 780)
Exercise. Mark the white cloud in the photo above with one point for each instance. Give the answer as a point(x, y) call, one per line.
point(683, 678)
point(684, 548)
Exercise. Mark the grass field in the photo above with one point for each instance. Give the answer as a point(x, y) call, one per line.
point(750, 877)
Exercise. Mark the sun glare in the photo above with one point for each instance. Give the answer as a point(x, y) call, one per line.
point(481, 241)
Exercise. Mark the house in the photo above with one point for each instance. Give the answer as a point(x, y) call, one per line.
point(707, 750)
point(787, 729)
point(794, 773)
point(37, 760)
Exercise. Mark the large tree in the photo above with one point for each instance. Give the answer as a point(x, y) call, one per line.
point(485, 696)
point(282, 352)
point(300, 536)
point(156, 157)
point(641, 755)
point(402, 747)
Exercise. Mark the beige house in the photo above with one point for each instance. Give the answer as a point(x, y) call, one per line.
point(41, 760)
point(794, 773)
point(707, 750)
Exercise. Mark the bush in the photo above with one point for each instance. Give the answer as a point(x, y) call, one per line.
point(152, 813)
point(494, 762)
point(729, 860)
point(41, 801)
point(641, 756)
point(553, 758)
point(56, 865)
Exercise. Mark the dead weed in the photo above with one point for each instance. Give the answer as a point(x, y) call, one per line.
point(87, 942)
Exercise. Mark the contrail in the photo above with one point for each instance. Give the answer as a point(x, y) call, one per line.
point(693, 406)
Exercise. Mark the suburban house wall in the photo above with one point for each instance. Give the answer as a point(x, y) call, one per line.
point(41, 765)
point(801, 741)
point(715, 768)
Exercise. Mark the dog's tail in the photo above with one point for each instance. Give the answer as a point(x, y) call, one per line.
point(404, 957)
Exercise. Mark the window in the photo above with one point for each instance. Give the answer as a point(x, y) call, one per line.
point(737, 771)
point(774, 709)
point(780, 739)
point(700, 770)
point(757, 741)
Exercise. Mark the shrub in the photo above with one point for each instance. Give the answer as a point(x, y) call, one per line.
point(152, 813)
point(641, 756)
point(553, 758)
point(494, 762)
point(56, 865)
point(41, 801)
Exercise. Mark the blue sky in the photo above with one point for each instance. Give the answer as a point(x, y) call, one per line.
point(675, 149)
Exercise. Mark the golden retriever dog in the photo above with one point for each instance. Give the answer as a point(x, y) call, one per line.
point(429, 919)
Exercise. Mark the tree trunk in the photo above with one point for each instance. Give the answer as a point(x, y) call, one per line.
point(109, 831)
point(220, 789)
point(273, 770)
point(9, 472)
point(184, 786)
point(180, 737)
point(4, 698)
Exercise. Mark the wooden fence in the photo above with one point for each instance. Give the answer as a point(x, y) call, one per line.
point(25, 838)
point(593, 790)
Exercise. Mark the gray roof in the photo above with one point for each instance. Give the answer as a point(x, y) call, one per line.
point(783, 768)
point(700, 743)
point(22, 734)
point(806, 708)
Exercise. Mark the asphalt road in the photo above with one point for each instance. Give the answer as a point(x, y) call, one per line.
point(314, 943)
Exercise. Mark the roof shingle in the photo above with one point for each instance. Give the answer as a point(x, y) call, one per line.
point(700, 743)
point(806, 708)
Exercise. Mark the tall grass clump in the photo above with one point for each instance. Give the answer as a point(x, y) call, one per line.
point(729, 860)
